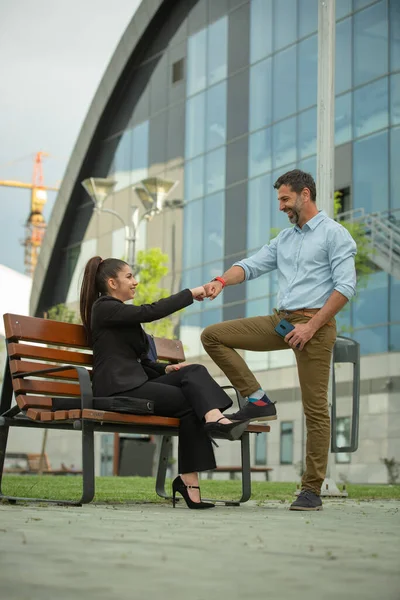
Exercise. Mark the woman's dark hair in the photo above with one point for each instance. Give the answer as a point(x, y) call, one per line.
point(94, 284)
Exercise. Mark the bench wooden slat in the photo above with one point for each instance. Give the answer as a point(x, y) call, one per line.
point(60, 415)
point(48, 388)
point(34, 462)
point(22, 366)
point(236, 469)
point(18, 350)
point(65, 415)
point(46, 415)
point(74, 413)
point(35, 413)
point(114, 417)
point(258, 428)
point(44, 331)
point(25, 402)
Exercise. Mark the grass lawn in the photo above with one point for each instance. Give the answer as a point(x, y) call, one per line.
point(142, 489)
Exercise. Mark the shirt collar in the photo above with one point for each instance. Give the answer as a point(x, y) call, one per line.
point(314, 222)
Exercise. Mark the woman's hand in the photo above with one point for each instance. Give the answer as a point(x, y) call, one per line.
point(199, 293)
point(171, 368)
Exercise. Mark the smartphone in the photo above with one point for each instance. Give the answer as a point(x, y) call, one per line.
point(283, 328)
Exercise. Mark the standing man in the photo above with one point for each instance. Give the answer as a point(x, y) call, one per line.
point(316, 273)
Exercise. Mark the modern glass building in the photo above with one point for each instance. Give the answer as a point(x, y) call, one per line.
point(221, 96)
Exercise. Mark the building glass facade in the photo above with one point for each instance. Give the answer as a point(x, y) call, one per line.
point(241, 111)
point(281, 104)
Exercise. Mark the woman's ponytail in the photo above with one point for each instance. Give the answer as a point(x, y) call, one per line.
point(94, 284)
point(89, 293)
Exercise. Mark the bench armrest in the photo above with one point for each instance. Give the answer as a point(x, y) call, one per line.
point(239, 398)
point(85, 385)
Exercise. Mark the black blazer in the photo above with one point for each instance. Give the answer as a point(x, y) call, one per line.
point(120, 345)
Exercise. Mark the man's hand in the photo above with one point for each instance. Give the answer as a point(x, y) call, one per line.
point(300, 335)
point(213, 289)
point(171, 368)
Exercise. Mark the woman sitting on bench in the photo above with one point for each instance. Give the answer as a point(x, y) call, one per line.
point(121, 368)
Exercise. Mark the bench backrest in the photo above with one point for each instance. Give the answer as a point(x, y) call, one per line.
point(34, 344)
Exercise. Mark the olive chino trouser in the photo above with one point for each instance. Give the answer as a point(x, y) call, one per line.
point(313, 364)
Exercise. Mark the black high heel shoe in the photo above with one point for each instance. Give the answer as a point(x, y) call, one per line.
point(179, 486)
point(227, 431)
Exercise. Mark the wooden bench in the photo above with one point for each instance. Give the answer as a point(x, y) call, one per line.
point(28, 463)
point(232, 470)
point(49, 360)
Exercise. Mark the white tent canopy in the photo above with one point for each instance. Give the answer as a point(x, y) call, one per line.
point(15, 291)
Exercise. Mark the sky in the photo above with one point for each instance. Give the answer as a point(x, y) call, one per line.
point(53, 54)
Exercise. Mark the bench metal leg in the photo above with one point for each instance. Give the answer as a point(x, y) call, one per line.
point(87, 468)
point(5, 406)
point(165, 453)
point(246, 473)
point(87, 463)
point(3, 445)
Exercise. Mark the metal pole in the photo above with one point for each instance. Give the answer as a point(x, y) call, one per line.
point(326, 105)
point(131, 233)
point(326, 150)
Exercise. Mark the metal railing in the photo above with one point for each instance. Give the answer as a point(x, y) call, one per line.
point(383, 232)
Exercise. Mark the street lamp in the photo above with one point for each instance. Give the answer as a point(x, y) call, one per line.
point(152, 193)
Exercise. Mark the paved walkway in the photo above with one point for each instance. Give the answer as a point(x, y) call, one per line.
point(350, 550)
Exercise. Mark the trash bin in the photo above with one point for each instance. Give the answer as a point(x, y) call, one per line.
point(136, 457)
point(346, 350)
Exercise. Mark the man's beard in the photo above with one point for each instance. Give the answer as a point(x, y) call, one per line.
point(294, 219)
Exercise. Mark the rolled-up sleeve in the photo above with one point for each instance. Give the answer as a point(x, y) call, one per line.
point(262, 262)
point(342, 251)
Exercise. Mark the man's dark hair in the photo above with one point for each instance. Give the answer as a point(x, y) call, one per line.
point(298, 180)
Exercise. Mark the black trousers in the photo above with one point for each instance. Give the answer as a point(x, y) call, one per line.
point(188, 394)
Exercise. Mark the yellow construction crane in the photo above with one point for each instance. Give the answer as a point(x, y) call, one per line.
point(35, 224)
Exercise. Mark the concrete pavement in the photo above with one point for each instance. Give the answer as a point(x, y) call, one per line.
point(350, 550)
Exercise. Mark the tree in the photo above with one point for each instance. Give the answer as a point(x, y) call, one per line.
point(364, 250)
point(61, 312)
point(153, 266)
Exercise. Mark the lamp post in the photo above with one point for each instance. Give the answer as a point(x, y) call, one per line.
point(326, 158)
point(151, 192)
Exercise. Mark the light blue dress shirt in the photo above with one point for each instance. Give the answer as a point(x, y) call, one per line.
point(312, 261)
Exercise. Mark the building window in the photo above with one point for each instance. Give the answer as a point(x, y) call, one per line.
point(344, 54)
point(371, 103)
point(370, 43)
point(286, 443)
point(217, 51)
point(308, 72)
point(344, 198)
point(284, 70)
point(260, 449)
point(260, 106)
point(284, 23)
point(370, 173)
point(178, 69)
point(343, 119)
point(207, 57)
point(343, 438)
point(196, 75)
point(260, 29)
